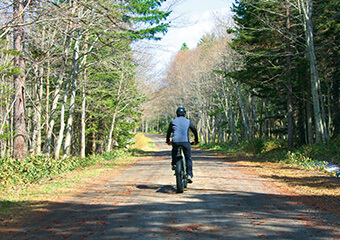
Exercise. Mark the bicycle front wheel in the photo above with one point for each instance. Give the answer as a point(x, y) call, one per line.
point(179, 176)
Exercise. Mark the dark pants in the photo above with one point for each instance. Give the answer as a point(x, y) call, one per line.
point(187, 153)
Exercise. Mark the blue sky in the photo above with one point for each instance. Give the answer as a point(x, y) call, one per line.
point(191, 19)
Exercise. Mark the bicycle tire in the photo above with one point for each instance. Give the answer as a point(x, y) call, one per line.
point(179, 176)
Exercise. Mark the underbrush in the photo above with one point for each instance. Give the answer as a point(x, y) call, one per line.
point(140, 141)
point(26, 184)
point(16, 173)
point(275, 150)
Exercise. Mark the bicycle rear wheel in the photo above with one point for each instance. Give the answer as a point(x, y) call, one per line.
point(180, 181)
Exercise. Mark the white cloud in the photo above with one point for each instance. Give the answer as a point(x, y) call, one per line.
point(192, 27)
point(191, 34)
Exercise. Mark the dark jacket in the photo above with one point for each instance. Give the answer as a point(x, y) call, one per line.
point(180, 127)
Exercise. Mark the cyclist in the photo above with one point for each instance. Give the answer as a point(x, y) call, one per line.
point(180, 128)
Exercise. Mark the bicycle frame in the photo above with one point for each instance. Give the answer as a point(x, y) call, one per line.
point(181, 169)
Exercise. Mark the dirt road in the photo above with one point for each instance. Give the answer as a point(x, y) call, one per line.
point(222, 203)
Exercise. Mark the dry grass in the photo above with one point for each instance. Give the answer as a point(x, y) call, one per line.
point(142, 142)
point(314, 187)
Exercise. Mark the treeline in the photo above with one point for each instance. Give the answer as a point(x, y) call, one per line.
point(273, 74)
point(68, 77)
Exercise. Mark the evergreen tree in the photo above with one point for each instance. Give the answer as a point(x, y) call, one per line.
point(184, 47)
point(267, 43)
point(327, 38)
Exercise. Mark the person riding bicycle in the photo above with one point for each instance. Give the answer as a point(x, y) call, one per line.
point(180, 128)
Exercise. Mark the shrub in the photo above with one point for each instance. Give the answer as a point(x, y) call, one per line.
point(16, 173)
point(254, 146)
point(324, 152)
point(275, 150)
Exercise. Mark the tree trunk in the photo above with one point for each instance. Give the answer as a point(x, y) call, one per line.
point(202, 127)
point(301, 126)
point(309, 122)
point(243, 112)
point(255, 116)
point(49, 135)
point(47, 97)
point(62, 122)
point(34, 100)
point(83, 108)
point(108, 148)
point(336, 104)
point(36, 136)
point(39, 103)
point(5, 99)
point(83, 124)
point(53, 113)
point(74, 77)
point(68, 133)
point(20, 138)
point(229, 113)
point(289, 87)
point(307, 7)
point(267, 120)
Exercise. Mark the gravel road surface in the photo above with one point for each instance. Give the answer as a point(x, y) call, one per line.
point(223, 202)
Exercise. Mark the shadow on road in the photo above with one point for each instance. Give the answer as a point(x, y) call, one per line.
point(156, 211)
point(241, 218)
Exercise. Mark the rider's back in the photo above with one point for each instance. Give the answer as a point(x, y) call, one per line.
point(180, 127)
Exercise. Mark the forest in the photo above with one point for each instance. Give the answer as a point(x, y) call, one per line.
point(270, 73)
point(70, 84)
point(68, 74)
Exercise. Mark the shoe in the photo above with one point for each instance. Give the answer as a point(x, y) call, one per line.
point(189, 179)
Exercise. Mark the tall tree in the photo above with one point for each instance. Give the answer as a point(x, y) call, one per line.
point(58, 56)
point(327, 42)
point(320, 125)
point(20, 139)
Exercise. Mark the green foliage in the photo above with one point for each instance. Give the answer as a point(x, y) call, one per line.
point(324, 152)
point(15, 173)
point(262, 46)
point(8, 70)
point(147, 13)
point(212, 146)
point(184, 47)
point(124, 133)
point(5, 94)
point(119, 153)
point(298, 159)
point(207, 39)
point(5, 134)
point(225, 147)
point(275, 150)
point(254, 146)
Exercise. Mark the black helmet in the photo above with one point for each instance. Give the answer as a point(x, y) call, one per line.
point(180, 111)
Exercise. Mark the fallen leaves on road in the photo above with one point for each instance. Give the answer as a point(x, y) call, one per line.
point(316, 188)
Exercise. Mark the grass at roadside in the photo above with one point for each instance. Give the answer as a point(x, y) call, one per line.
point(32, 198)
point(275, 150)
point(295, 171)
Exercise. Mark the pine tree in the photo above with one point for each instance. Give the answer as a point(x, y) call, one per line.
point(184, 47)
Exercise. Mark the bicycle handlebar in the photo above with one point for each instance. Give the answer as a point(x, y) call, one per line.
point(191, 143)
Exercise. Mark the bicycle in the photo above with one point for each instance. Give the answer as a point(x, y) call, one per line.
point(181, 171)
